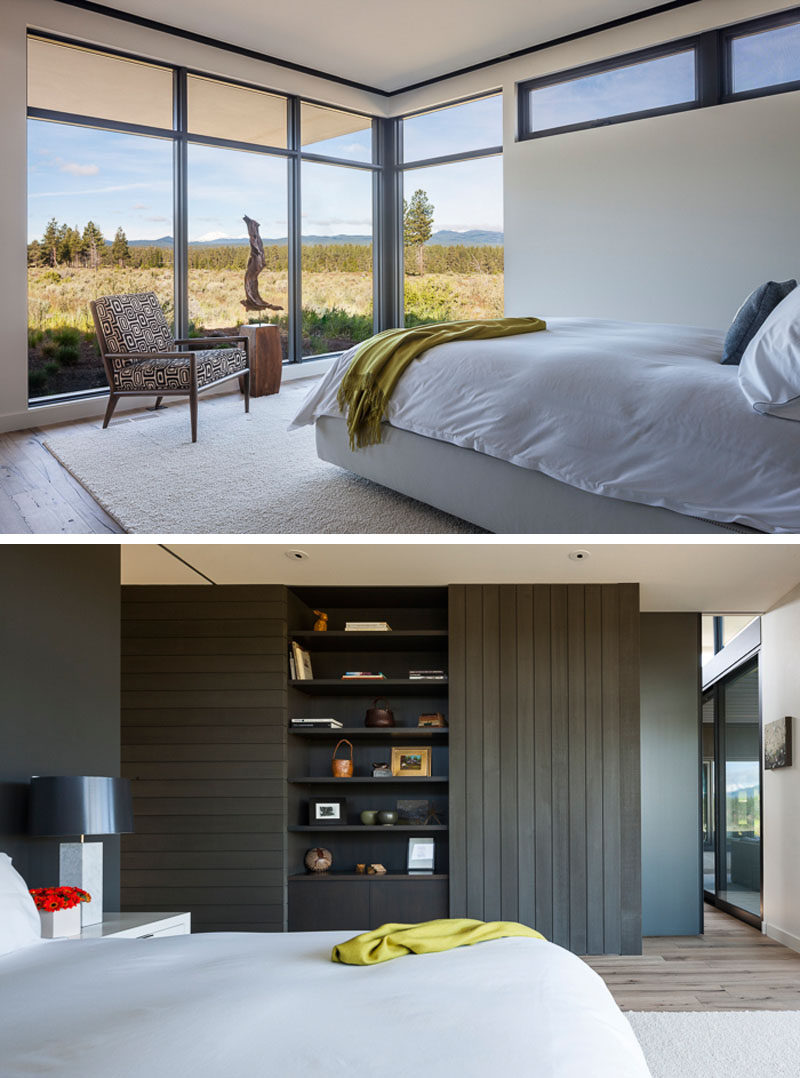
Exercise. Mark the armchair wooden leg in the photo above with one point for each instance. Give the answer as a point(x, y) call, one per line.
point(246, 380)
point(112, 404)
point(193, 410)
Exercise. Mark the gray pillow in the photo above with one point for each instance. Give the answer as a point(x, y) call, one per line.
point(750, 317)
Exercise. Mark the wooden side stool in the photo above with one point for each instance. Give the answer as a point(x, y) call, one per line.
point(266, 361)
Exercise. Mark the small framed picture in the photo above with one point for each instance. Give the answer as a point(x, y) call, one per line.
point(420, 855)
point(327, 811)
point(411, 762)
point(778, 743)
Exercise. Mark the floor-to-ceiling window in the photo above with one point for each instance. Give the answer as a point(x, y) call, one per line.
point(452, 170)
point(731, 784)
point(100, 202)
point(140, 178)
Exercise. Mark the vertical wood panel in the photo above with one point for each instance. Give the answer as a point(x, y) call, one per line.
point(577, 769)
point(473, 731)
point(491, 753)
point(210, 645)
point(458, 752)
point(630, 771)
point(549, 776)
point(595, 886)
point(526, 791)
point(612, 897)
point(543, 767)
point(509, 726)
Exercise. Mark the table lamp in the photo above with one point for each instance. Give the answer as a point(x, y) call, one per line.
point(81, 805)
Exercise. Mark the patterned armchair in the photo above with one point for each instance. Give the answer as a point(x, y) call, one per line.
point(141, 357)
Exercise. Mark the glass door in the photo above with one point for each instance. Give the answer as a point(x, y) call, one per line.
point(732, 793)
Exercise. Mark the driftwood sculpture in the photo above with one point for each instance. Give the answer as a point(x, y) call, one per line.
point(255, 264)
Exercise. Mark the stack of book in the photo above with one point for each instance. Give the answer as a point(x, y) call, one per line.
point(319, 724)
point(367, 627)
point(361, 675)
point(299, 663)
point(427, 675)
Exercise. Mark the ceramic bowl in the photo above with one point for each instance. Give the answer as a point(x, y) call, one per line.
point(369, 816)
point(387, 818)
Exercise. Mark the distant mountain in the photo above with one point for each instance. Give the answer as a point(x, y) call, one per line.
point(473, 238)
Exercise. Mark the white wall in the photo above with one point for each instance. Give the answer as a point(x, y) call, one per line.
point(17, 17)
point(780, 695)
point(671, 219)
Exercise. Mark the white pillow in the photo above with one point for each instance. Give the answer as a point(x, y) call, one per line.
point(19, 918)
point(769, 373)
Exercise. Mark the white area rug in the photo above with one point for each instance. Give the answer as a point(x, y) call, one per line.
point(246, 474)
point(719, 1044)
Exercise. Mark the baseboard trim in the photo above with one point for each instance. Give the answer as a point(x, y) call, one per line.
point(788, 939)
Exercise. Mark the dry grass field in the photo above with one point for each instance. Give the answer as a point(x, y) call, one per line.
point(337, 310)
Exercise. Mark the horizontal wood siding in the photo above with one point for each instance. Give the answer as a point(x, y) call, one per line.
point(544, 760)
point(204, 744)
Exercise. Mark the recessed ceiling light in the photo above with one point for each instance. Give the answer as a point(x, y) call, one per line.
point(579, 555)
point(295, 555)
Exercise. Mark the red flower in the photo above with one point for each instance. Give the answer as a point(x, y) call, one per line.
point(51, 899)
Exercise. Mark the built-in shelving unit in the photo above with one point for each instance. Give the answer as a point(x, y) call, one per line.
point(418, 639)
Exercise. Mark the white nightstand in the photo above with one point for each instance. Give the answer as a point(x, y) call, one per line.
point(139, 926)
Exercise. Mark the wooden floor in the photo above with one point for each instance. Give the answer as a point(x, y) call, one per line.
point(731, 967)
point(37, 494)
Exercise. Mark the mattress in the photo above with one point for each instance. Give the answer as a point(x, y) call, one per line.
point(633, 411)
point(243, 1004)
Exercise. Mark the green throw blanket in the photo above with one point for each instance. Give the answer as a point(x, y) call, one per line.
point(380, 362)
point(393, 941)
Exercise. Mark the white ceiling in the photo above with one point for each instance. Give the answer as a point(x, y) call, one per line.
point(384, 44)
point(712, 577)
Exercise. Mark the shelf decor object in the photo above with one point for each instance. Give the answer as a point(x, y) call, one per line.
point(412, 762)
point(379, 716)
point(81, 805)
point(321, 624)
point(342, 769)
point(327, 811)
point(420, 855)
point(318, 859)
point(434, 719)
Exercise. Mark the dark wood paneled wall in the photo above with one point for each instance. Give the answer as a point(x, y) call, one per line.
point(544, 761)
point(204, 743)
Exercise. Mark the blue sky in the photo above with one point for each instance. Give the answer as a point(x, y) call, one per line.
point(78, 174)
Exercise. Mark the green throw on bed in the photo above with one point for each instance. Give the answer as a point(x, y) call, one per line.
point(395, 940)
point(380, 362)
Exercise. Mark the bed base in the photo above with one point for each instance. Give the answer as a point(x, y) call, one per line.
point(494, 494)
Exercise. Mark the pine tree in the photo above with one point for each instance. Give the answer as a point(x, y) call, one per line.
point(50, 241)
point(36, 253)
point(120, 252)
point(417, 224)
point(93, 243)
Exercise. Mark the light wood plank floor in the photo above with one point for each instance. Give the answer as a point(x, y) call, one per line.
point(731, 967)
point(37, 494)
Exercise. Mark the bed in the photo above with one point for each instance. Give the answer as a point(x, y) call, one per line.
point(591, 426)
point(246, 1004)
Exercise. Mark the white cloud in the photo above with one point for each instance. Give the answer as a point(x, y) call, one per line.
point(141, 206)
point(158, 220)
point(74, 169)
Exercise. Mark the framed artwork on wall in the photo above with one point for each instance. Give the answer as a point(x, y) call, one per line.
point(778, 743)
point(411, 762)
point(327, 811)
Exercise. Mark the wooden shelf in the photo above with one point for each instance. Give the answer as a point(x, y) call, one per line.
point(372, 732)
point(395, 640)
point(315, 877)
point(370, 687)
point(375, 828)
point(317, 780)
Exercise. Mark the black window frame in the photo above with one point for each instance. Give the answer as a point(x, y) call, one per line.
point(713, 75)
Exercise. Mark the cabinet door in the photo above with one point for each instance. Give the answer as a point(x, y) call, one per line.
point(322, 905)
point(407, 901)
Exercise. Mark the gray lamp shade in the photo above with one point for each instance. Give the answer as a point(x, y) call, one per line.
point(80, 805)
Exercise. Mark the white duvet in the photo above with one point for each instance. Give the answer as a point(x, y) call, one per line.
point(629, 410)
point(242, 1005)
